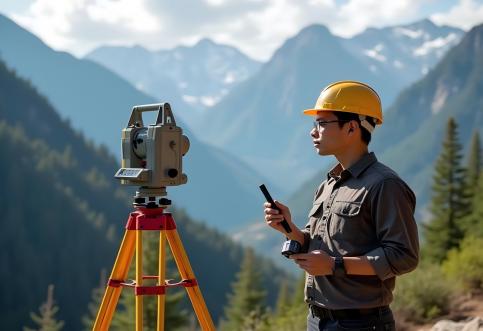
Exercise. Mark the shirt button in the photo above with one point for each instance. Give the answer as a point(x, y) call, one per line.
point(324, 218)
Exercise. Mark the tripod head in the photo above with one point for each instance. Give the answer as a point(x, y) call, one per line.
point(152, 155)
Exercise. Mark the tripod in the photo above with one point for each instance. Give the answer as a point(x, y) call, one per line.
point(149, 215)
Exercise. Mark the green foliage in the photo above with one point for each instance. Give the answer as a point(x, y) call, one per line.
point(464, 266)
point(449, 202)
point(474, 162)
point(422, 294)
point(473, 223)
point(247, 297)
point(46, 320)
point(283, 301)
point(93, 306)
point(256, 320)
point(293, 316)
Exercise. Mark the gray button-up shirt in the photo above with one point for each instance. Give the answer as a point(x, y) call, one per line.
point(365, 210)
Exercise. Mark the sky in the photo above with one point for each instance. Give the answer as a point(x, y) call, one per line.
point(256, 27)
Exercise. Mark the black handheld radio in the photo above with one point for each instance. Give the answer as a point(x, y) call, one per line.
point(290, 246)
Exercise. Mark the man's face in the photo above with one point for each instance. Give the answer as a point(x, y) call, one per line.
point(329, 139)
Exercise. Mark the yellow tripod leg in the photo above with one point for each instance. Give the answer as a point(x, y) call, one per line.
point(119, 272)
point(186, 272)
point(161, 279)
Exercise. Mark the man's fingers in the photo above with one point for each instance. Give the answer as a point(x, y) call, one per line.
point(273, 217)
point(271, 211)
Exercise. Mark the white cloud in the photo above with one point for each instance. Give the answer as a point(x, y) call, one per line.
point(356, 15)
point(132, 14)
point(464, 14)
point(257, 27)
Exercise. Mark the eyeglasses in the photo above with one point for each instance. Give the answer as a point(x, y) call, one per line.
point(321, 124)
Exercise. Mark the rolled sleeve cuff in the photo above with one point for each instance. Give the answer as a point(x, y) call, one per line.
point(377, 258)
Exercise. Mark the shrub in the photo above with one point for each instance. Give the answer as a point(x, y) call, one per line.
point(464, 266)
point(423, 294)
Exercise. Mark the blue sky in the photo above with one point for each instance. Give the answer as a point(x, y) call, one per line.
point(257, 27)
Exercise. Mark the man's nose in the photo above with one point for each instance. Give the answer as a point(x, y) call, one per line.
point(314, 133)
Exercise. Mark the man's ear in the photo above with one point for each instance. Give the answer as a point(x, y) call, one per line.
point(352, 126)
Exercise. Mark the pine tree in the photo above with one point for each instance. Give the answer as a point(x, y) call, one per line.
point(473, 223)
point(474, 163)
point(294, 318)
point(96, 299)
point(473, 185)
point(246, 300)
point(46, 320)
point(449, 201)
point(283, 301)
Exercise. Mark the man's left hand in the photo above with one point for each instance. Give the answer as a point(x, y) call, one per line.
point(316, 263)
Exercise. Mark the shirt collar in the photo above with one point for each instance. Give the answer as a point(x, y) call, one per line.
point(354, 170)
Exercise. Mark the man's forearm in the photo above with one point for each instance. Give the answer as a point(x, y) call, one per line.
point(296, 235)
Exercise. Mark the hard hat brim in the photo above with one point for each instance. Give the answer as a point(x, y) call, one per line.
point(313, 112)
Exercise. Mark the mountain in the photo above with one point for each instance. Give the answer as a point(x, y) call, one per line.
point(415, 124)
point(202, 74)
point(405, 52)
point(98, 103)
point(410, 139)
point(63, 214)
point(266, 127)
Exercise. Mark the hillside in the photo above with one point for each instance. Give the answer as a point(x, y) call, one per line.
point(98, 103)
point(261, 119)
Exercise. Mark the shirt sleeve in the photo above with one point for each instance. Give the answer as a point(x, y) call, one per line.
point(393, 206)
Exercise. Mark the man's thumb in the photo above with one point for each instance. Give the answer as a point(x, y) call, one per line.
point(280, 205)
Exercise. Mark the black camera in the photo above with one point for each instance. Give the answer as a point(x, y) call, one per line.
point(290, 247)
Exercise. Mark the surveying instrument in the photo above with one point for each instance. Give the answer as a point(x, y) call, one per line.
point(152, 160)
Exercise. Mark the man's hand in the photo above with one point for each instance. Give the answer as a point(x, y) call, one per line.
point(273, 217)
point(316, 263)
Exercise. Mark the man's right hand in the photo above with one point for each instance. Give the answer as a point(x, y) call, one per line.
point(273, 217)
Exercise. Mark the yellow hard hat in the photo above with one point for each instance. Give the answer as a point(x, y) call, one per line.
point(351, 97)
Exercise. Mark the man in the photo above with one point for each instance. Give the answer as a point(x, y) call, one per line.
point(361, 232)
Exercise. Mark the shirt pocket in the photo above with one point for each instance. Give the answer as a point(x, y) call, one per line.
point(314, 215)
point(348, 227)
point(314, 210)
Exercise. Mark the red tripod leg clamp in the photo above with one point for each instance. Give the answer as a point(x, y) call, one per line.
point(150, 290)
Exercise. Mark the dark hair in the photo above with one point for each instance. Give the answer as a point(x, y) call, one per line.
point(346, 117)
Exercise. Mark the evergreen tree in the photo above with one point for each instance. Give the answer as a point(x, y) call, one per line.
point(96, 299)
point(294, 317)
point(474, 187)
point(46, 320)
point(283, 302)
point(449, 201)
point(474, 163)
point(247, 298)
point(473, 223)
